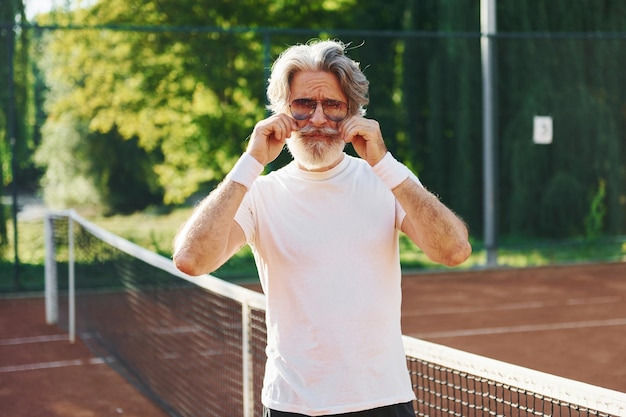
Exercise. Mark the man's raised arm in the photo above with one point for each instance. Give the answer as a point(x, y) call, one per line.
point(211, 236)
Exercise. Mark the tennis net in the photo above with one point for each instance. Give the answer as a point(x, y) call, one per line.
point(196, 345)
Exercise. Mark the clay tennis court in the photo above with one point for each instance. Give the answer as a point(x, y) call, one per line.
point(567, 320)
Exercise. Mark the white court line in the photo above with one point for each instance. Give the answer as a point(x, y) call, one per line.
point(54, 364)
point(523, 328)
point(516, 306)
point(175, 330)
point(33, 339)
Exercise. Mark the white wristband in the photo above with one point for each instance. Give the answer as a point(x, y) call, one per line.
point(245, 171)
point(392, 172)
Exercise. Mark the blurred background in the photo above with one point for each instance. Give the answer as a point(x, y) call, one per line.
point(130, 111)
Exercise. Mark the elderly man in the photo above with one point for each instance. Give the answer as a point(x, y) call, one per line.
point(324, 233)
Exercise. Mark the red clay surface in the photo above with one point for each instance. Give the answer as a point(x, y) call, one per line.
point(569, 321)
point(42, 374)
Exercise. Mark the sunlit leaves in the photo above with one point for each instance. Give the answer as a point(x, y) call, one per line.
point(173, 92)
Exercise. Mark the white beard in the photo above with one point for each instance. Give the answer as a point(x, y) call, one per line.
point(315, 149)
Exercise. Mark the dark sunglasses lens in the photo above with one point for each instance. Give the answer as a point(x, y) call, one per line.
point(302, 109)
point(335, 110)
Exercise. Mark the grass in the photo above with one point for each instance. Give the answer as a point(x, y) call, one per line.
point(155, 232)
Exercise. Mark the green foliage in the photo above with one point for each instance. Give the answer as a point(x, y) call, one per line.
point(155, 231)
point(189, 99)
point(441, 98)
point(64, 156)
point(13, 101)
point(562, 207)
point(164, 94)
point(594, 221)
point(575, 80)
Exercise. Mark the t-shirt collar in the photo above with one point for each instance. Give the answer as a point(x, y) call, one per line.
point(321, 175)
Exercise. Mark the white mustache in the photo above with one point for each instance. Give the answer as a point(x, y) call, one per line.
point(318, 131)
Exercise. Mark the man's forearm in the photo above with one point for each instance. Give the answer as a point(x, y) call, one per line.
point(202, 243)
point(207, 240)
point(429, 223)
point(438, 231)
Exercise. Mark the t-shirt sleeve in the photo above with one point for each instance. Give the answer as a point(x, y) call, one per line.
point(245, 217)
point(400, 213)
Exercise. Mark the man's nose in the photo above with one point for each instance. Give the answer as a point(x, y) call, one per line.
point(318, 118)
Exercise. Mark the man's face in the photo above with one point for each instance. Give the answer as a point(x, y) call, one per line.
point(317, 146)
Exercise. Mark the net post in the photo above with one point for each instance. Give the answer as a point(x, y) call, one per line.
point(247, 361)
point(488, 67)
point(70, 286)
point(50, 271)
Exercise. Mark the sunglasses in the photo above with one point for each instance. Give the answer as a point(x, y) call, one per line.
point(303, 108)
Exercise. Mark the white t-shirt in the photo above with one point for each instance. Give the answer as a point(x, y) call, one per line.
point(326, 249)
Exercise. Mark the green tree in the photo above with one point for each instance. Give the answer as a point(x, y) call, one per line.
point(187, 98)
point(14, 157)
point(171, 89)
point(163, 91)
point(65, 154)
point(579, 81)
point(442, 96)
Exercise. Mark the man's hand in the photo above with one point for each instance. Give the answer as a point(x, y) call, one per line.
point(268, 137)
point(366, 138)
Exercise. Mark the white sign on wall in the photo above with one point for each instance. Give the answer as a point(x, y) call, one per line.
point(542, 130)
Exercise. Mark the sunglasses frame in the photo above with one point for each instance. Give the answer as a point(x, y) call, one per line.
point(312, 110)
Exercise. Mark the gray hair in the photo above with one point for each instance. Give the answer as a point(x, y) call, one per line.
point(328, 56)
